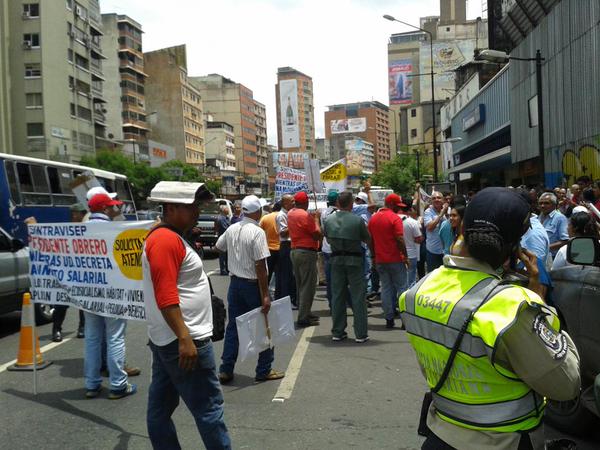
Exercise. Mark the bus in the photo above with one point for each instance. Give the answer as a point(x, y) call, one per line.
point(40, 188)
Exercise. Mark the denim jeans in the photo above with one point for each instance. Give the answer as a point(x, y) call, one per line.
point(393, 283)
point(97, 329)
point(243, 296)
point(223, 263)
point(285, 283)
point(412, 272)
point(434, 260)
point(198, 388)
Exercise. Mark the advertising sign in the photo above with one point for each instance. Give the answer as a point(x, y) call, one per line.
point(334, 176)
point(96, 267)
point(296, 160)
point(288, 107)
point(400, 82)
point(447, 56)
point(160, 153)
point(354, 156)
point(289, 181)
point(354, 125)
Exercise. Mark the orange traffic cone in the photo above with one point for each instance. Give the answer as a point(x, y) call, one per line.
point(26, 350)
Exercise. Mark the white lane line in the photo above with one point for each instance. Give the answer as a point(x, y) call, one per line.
point(45, 348)
point(291, 374)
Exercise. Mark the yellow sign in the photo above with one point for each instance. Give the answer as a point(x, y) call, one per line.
point(337, 172)
point(127, 251)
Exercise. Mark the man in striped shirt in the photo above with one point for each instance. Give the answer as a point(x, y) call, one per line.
point(247, 253)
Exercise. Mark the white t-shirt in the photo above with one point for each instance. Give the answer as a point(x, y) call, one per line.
point(412, 230)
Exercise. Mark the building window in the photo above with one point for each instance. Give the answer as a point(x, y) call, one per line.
point(33, 100)
point(413, 112)
point(31, 10)
point(413, 133)
point(70, 5)
point(33, 70)
point(35, 130)
point(31, 40)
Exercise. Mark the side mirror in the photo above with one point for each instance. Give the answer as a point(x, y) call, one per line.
point(17, 245)
point(584, 251)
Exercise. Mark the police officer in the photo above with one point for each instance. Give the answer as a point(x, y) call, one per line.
point(491, 352)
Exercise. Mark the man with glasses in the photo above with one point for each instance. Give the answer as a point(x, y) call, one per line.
point(555, 223)
point(433, 217)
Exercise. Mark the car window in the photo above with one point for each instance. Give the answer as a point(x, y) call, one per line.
point(33, 184)
point(210, 208)
point(13, 184)
point(59, 179)
point(5, 242)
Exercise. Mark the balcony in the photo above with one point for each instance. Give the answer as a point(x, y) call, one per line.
point(126, 64)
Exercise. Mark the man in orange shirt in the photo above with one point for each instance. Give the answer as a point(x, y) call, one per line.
point(305, 234)
point(268, 224)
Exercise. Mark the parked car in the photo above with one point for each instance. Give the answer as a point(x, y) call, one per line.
point(207, 222)
point(14, 277)
point(576, 296)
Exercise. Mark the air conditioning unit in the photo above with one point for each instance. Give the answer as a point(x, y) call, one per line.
point(79, 11)
point(26, 15)
point(27, 45)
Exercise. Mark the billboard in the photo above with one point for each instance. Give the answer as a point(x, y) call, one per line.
point(288, 111)
point(447, 56)
point(354, 156)
point(400, 82)
point(354, 125)
point(294, 160)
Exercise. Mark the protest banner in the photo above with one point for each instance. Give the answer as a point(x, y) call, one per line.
point(334, 176)
point(312, 176)
point(289, 181)
point(94, 266)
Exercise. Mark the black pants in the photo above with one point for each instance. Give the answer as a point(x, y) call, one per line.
point(60, 311)
point(285, 284)
point(435, 443)
point(272, 262)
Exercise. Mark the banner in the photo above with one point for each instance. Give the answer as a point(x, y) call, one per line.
point(354, 125)
point(94, 266)
point(289, 181)
point(288, 112)
point(334, 176)
point(298, 160)
point(313, 179)
point(400, 82)
point(354, 156)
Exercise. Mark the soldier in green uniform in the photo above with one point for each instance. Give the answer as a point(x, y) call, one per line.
point(345, 232)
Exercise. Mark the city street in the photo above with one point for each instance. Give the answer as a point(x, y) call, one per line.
point(346, 395)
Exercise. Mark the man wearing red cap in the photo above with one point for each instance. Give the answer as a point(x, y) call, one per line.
point(305, 234)
point(103, 208)
point(390, 254)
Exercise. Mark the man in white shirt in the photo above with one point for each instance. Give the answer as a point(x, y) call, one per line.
point(412, 239)
point(247, 252)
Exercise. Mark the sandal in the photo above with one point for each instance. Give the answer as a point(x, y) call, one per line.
point(272, 375)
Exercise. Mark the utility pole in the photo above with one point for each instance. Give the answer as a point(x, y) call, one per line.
point(538, 82)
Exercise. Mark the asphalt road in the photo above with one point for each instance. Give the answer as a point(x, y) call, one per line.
point(346, 395)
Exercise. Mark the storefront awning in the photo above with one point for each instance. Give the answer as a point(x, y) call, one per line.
point(491, 161)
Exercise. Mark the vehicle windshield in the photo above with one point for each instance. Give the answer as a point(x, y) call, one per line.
point(210, 208)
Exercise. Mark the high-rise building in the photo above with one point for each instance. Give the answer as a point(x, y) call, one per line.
point(52, 81)
point(262, 150)
point(366, 120)
point(231, 102)
point(220, 154)
point(175, 103)
point(323, 151)
point(124, 85)
point(295, 112)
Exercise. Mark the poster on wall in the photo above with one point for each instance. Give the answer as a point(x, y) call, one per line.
point(353, 125)
point(297, 160)
point(447, 56)
point(354, 156)
point(400, 82)
point(288, 107)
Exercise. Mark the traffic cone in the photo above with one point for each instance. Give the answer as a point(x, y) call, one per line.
point(26, 351)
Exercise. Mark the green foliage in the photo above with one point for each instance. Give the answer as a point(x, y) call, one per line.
point(400, 174)
point(190, 173)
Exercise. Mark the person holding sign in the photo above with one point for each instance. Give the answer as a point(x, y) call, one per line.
point(179, 315)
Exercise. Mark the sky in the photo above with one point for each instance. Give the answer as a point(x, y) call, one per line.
point(341, 44)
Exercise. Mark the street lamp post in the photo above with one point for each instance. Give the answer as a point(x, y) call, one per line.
point(418, 153)
point(433, 121)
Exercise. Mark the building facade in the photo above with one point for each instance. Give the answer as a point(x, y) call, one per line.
point(220, 155)
point(367, 120)
point(175, 103)
point(323, 151)
point(52, 83)
point(262, 149)
point(124, 85)
point(295, 112)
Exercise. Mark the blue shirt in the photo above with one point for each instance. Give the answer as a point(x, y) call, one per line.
point(536, 239)
point(433, 243)
point(556, 226)
point(447, 236)
point(362, 211)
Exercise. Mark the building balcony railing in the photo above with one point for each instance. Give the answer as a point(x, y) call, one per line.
point(135, 67)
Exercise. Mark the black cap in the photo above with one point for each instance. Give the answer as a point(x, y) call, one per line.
point(498, 209)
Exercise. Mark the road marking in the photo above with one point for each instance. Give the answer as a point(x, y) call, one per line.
point(45, 348)
point(293, 369)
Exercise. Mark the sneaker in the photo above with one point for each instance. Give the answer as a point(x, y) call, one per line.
point(130, 389)
point(361, 340)
point(93, 393)
point(272, 375)
point(132, 371)
point(339, 338)
point(225, 378)
point(389, 323)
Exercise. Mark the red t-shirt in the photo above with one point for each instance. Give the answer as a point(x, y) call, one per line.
point(301, 226)
point(385, 226)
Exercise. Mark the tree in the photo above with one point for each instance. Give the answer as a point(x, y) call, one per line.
point(400, 174)
point(190, 173)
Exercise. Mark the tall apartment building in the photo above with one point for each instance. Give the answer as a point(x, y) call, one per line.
point(124, 84)
point(366, 120)
point(176, 103)
point(323, 151)
point(295, 112)
point(231, 102)
point(262, 150)
point(52, 79)
point(220, 155)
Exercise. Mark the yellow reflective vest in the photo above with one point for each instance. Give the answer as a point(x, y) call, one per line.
point(478, 393)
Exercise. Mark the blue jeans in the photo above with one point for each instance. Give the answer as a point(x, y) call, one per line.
point(393, 283)
point(243, 296)
point(412, 272)
point(285, 283)
point(112, 331)
point(198, 388)
point(434, 260)
point(223, 263)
